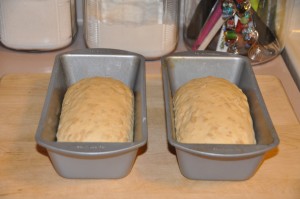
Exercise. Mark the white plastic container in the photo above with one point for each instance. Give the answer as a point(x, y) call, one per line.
point(37, 24)
point(147, 27)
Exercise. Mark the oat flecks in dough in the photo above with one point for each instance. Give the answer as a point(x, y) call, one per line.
point(212, 110)
point(97, 109)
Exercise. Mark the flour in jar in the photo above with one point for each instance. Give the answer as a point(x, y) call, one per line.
point(37, 25)
point(149, 40)
point(139, 26)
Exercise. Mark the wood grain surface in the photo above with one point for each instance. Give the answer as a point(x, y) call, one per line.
point(26, 170)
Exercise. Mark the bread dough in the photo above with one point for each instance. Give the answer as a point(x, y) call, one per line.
point(97, 109)
point(212, 110)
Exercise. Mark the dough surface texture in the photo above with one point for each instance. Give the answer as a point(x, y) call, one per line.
point(97, 109)
point(212, 110)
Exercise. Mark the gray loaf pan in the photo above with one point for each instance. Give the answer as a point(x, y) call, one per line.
point(217, 161)
point(93, 160)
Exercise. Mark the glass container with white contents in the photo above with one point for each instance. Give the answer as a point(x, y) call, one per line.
point(40, 25)
point(147, 27)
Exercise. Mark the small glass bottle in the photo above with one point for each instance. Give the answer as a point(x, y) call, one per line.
point(147, 27)
point(256, 29)
point(40, 25)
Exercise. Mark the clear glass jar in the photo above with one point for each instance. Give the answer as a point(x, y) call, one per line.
point(256, 29)
point(40, 25)
point(147, 27)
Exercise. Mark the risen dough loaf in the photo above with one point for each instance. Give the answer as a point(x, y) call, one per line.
point(212, 110)
point(97, 109)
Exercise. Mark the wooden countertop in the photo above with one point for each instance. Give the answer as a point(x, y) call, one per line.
point(26, 170)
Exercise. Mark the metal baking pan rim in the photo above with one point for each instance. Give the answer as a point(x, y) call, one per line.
point(118, 148)
point(97, 147)
point(212, 150)
point(204, 54)
point(99, 52)
point(224, 150)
